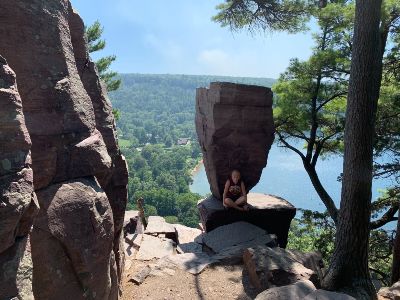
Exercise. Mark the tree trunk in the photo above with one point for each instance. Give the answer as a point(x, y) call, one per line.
point(396, 253)
point(348, 270)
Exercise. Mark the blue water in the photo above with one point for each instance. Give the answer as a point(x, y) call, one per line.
point(285, 176)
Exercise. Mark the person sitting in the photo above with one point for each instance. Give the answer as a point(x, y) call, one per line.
point(234, 195)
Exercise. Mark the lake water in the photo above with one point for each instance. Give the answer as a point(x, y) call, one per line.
point(285, 176)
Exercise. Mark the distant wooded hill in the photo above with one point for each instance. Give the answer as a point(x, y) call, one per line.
point(160, 108)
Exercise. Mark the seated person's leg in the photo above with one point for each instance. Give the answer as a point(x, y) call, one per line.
point(230, 203)
point(242, 202)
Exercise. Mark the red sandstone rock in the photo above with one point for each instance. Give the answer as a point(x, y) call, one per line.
point(235, 128)
point(72, 241)
point(72, 128)
point(18, 203)
point(116, 185)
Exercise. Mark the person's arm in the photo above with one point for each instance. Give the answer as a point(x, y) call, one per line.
point(243, 190)
point(225, 192)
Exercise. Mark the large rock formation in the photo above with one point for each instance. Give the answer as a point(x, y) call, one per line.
point(271, 213)
point(235, 128)
point(17, 199)
point(78, 171)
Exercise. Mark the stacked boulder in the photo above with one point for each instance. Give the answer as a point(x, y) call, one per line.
point(235, 128)
point(79, 174)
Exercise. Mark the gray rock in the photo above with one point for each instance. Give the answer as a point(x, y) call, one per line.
point(234, 234)
point(235, 253)
point(186, 234)
point(327, 295)
point(282, 266)
point(157, 225)
point(392, 293)
point(191, 247)
point(140, 276)
point(295, 291)
point(268, 212)
point(154, 247)
point(193, 263)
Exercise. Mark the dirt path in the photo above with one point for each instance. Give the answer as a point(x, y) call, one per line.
point(220, 282)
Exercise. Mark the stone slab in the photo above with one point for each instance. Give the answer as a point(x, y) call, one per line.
point(193, 263)
point(157, 225)
point(191, 247)
point(232, 235)
point(154, 247)
point(186, 234)
point(268, 212)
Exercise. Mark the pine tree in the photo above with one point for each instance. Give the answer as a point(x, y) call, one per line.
point(96, 43)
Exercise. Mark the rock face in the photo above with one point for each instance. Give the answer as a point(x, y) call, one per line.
point(78, 170)
point(18, 203)
point(271, 213)
point(235, 128)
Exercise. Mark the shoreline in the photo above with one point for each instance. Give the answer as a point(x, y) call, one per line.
point(196, 168)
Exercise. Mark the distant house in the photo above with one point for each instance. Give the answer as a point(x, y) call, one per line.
point(183, 141)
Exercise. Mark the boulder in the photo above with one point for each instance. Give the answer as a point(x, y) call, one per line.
point(235, 128)
point(277, 266)
point(268, 212)
point(18, 204)
point(392, 293)
point(141, 275)
point(297, 291)
point(327, 295)
point(16, 271)
point(72, 242)
point(154, 247)
point(193, 263)
point(186, 234)
point(157, 225)
point(235, 234)
point(72, 129)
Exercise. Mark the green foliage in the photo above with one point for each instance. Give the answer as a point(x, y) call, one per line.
point(310, 100)
point(157, 110)
point(124, 143)
point(95, 43)
point(161, 108)
point(93, 35)
point(172, 219)
point(275, 15)
point(315, 231)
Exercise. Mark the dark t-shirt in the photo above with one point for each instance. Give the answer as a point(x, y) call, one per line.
point(234, 190)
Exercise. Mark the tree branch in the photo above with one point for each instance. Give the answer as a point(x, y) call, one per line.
point(386, 218)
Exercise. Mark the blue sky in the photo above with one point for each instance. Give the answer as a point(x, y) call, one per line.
point(178, 37)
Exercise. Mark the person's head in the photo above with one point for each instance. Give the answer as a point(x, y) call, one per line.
point(235, 175)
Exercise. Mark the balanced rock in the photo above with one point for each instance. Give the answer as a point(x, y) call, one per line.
point(18, 204)
point(268, 212)
point(235, 128)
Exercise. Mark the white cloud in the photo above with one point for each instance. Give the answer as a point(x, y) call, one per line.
point(167, 48)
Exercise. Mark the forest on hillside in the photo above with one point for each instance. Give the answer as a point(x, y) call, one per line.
point(155, 114)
